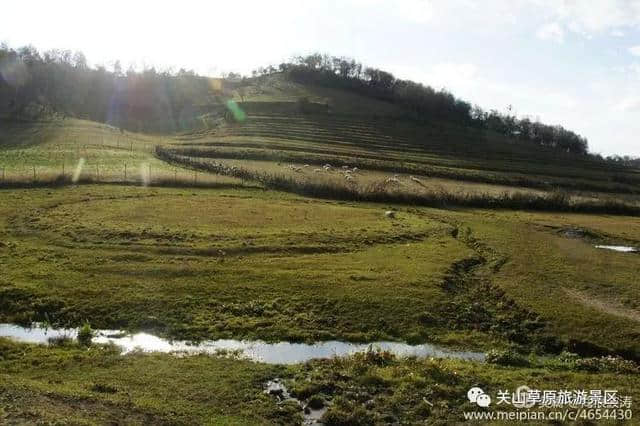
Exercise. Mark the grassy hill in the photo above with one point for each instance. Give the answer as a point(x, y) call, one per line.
point(291, 122)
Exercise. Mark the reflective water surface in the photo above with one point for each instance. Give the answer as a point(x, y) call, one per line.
point(256, 350)
point(622, 249)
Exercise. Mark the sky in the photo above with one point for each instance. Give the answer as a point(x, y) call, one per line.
point(569, 62)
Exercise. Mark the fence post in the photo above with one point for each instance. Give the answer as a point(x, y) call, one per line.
point(3, 174)
point(34, 173)
point(125, 172)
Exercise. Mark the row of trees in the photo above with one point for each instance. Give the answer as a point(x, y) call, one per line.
point(423, 102)
point(624, 160)
point(34, 83)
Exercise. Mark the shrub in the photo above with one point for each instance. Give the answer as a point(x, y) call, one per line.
point(85, 334)
point(427, 318)
point(60, 341)
point(103, 388)
point(506, 357)
point(304, 390)
point(605, 364)
point(608, 364)
point(316, 402)
point(374, 356)
point(549, 344)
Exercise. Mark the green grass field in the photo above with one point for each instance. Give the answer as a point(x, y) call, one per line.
point(41, 152)
point(174, 250)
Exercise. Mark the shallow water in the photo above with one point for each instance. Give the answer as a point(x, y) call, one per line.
point(256, 350)
point(278, 390)
point(623, 249)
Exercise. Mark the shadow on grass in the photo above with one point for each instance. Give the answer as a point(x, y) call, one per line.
point(66, 180)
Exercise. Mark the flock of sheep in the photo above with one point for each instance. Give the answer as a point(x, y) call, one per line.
point(396, 180)
point(348, 172)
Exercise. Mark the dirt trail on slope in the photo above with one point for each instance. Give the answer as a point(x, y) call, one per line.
point(609, 307)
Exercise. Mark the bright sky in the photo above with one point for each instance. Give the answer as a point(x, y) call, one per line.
point(571, 62)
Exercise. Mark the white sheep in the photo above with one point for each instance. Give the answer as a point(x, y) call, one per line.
point(318, 170)
point(348, 177)
point(392, 180)
point(390, 214)
point(345, 167)
point(415, 179)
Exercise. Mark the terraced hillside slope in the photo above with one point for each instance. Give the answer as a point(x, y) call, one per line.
point(308, 145)
point(403, 146)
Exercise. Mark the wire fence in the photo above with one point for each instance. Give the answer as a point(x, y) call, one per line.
point(133, 173)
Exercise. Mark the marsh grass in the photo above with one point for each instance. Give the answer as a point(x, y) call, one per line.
point(97, 385)
point(364, 390)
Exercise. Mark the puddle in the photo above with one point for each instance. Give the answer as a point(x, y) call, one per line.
point(573, 233)
point(270, 353)
point(278, 390)
point(623, 249)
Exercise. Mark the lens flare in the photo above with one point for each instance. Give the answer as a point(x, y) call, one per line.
point(14, 73)
point(238, 113)
point(215, 84)
point(144, 174)
point(78, 171)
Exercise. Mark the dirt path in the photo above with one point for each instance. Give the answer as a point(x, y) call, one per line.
point(609, 307)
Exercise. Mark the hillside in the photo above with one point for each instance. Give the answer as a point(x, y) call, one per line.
point(334, 122)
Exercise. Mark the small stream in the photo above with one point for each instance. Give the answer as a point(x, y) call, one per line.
point(622, 249)
point(255, 350)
